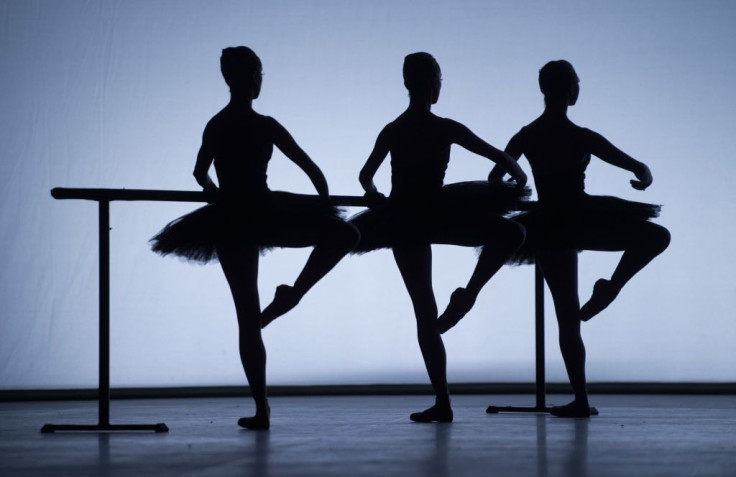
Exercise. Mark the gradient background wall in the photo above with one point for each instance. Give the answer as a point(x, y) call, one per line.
point(116, 94)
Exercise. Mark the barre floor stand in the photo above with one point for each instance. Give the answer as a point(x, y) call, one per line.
point(103, 422)
point(540, 379)
point(103, 197)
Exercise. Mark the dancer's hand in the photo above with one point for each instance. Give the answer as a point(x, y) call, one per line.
point(211, 192)
point(520, 179)
point(643, 176)
point(495, 177)
point(324, 194)
point(374, 198)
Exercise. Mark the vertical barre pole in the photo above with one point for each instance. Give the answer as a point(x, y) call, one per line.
point(104, 386)
point(541, 405)
point(539, 334)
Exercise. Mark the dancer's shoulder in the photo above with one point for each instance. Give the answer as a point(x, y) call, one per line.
point(268, 122)
point(588, 136)
point(394, 129)
point(524, 135)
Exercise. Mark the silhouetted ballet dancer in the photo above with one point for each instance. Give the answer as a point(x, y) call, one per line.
point(420, 212)
point(567, 220)
point(246, 217)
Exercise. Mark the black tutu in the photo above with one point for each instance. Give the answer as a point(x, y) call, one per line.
point(454, 210)
point(267, 220)
point(561, 226)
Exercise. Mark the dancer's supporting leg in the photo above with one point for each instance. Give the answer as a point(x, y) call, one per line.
point(644, 241)
point(502, 238)
point(334, 240)
point(240, 265)
point(415, 266)
point(560, 269)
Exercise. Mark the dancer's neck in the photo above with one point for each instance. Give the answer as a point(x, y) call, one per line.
point(419, 105)
point(241, 102)
point(555, 109)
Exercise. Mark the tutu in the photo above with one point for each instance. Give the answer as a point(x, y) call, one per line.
point(267, 220)
point(560, 226)
point(436, 217)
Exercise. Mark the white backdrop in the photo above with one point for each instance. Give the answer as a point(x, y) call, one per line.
point(116, 93)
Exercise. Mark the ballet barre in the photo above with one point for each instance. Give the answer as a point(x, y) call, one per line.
point(104, 196)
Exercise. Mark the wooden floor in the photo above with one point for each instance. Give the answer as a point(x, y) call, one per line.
point(634, 435)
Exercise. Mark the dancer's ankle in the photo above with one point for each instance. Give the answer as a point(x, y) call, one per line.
point(262, 408)
point(297, 289)
point(581, 401)
point(285, 298)
point(461, 301)
point(442, 401)
point(604, 293)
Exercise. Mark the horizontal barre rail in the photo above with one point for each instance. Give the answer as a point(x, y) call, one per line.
point(166, 196)
point(105, 196)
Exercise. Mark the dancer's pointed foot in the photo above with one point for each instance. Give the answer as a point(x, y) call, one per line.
point(573, 409)
point(436, 413)
point(604, 292)
point(284, 299)
point(260, 422)
point(461, 301)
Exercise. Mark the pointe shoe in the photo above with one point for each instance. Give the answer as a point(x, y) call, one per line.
point(284, 300)
point(257, 422)
point(461, 301)
point(604, 292)
point(572, 409)
point(433, 414)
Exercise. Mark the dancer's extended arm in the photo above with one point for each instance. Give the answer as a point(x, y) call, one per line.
point(464, 137)
point(287, 145)
point(603, 149)
point(514, 150)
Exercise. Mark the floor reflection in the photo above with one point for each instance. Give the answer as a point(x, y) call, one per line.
point(542, 445)
point(576, 463)
point(103, 452)
point(562, 443)
point(258, 442)
point(438, 463)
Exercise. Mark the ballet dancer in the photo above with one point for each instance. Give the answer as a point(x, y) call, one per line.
point(567, 220)
point(245, 217)
point(420, 211)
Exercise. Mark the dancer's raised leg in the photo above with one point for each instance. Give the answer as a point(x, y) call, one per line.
point(240, 265)
point(335, 240)
point(503, 238)
point(645, 241)
point(415, 266)
point(560, 269)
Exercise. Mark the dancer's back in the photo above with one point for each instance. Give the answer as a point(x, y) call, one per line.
point(558, 152)
point(420, 152)
point(419, 143)
point(241, 143)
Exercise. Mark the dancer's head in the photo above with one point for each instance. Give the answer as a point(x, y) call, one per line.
point(242, 70)
point(559, 82)
point(422, 76)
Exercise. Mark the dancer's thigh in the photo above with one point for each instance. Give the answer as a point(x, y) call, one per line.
point(240, 266)
point(560, 270)
point(614, 235)
point(298, 233)
point(415, 266)
point(474, 231)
